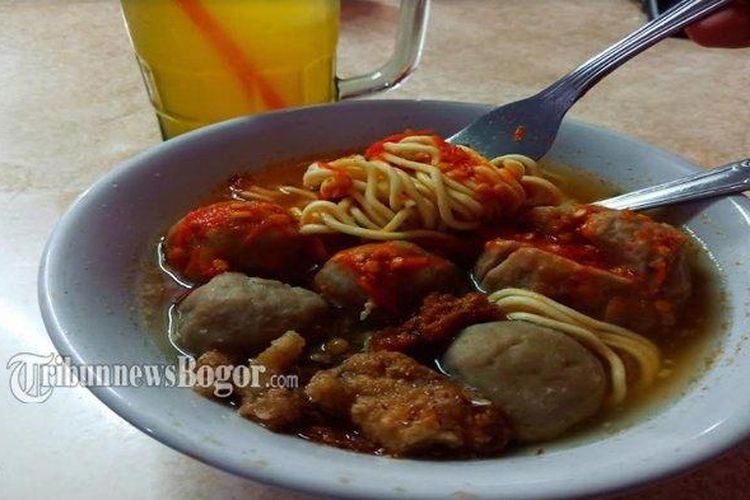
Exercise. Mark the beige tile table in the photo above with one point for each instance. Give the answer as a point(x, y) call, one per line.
point(72, 106)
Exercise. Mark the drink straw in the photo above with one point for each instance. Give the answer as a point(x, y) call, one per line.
point(242, 68)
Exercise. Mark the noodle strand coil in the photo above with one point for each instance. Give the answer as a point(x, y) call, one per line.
point(418, 186)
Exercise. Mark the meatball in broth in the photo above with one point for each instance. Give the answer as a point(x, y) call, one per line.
point(240, 316)
point(393, 277)
point(620, 267)
point(543, 380)
point(254, 237)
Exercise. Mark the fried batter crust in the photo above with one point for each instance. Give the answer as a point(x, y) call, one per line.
point(408, 408)
point(439, 319)
point(275, 407)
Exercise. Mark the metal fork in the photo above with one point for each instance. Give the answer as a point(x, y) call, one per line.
point(529, 126)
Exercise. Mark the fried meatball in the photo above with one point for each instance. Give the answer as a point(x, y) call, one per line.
point(277, 408)
point(406, 407)
point(214, 360)
point(441, 317)
point(254, 237)
point(542, 379)
point(239, 315)
point(393, 277)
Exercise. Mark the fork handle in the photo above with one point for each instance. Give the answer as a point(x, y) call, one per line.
point(729, 179)
point(576, 83)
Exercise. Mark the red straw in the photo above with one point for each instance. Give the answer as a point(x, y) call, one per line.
point(232, 54)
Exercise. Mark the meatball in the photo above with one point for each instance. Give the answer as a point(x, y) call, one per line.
point(617, 266)
point(239, 315)
point(584, 288)
point(254, 237)
point(407, 408)
point(651, 250)
point(393, 276)
point(543, 380)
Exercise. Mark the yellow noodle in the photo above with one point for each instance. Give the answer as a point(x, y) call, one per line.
point(404, 194)
point(252, 196)
point(305, 193)
point(258, 193)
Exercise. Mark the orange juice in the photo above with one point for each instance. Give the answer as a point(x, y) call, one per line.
point(208, 60)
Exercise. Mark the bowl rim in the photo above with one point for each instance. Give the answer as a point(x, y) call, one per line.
point(690, 456)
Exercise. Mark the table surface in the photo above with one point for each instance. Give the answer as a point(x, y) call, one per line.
point(72, 106)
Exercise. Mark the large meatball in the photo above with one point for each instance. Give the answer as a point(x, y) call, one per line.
point(255, 237)
point(617, 266)
point(394, 277)
point(239, 315)
point(543, 380)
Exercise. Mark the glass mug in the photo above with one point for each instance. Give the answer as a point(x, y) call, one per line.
point(204, 61)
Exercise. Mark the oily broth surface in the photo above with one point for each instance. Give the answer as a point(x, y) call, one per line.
point(688, 353)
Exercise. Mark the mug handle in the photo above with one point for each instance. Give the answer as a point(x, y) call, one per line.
point(403, 61)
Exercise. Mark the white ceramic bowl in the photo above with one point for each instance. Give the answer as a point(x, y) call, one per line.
point(86, 292)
